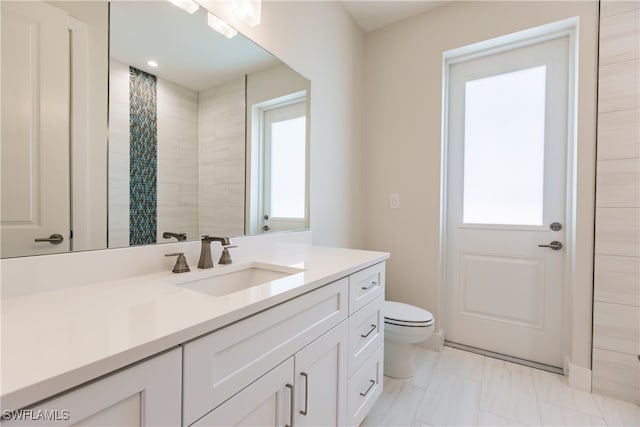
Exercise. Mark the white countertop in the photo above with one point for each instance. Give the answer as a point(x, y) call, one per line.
point(53, 341)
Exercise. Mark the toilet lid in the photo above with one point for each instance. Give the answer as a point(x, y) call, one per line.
point(405, 314)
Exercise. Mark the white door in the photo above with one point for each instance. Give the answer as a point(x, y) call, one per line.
point(35, 129)
point(506, 184)
point(284, 170)
point(321, 380)
point(266, 402)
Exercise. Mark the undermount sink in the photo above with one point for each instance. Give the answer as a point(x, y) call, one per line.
point(226, 280)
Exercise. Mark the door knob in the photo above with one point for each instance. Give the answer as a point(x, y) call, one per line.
point(555, 245)
point(266, 228)
point(54, 239)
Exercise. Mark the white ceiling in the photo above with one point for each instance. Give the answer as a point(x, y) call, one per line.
point(187, 50)
point(374, 14)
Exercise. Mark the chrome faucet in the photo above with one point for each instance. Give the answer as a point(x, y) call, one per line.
point(205, 251)
point(181, 237)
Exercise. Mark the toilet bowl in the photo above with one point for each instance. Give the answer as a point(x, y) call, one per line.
point(404, 325)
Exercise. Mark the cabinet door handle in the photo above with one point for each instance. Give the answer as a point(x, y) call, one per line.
point(370, 285)
point(291, 410)
point(306, 393)
point(373, 328)
point(369, 389)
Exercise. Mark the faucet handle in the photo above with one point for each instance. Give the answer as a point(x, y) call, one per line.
point(225, 258)
point(181, 263)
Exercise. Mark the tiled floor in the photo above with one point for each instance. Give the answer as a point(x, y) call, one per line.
point(458, 388)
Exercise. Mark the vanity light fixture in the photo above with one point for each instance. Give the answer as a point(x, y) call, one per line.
point(152, 63)
point(186, 5)
point(248, 11)
point(221, 26)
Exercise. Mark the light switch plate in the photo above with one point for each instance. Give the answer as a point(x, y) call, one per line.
point(394, 201)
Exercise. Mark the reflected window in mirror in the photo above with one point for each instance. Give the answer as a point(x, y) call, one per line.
point(155, 134)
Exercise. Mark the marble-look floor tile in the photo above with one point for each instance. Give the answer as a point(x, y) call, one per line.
point(553, 388)
point(463, 363)
point(396, 406)
point(426, 362)
point(487, 419)
point(553, 415)
point(617, 412)
point(508, 391)
point(452, 399)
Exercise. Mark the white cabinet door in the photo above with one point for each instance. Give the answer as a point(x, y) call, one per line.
point(147, 394)
point(35, 128)
point(321, 380)
point(266, 402)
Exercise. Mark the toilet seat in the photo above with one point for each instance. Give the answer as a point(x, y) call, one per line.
point(405, 315)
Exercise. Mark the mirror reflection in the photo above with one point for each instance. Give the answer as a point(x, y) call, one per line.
point(206, 135)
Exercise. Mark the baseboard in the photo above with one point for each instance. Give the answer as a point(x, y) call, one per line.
point(435, 342)
point(579, 377)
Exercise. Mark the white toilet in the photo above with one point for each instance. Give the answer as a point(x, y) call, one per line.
point(404, 325)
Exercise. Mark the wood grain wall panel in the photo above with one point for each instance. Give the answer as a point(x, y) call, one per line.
point(619, 86)
point(618, 184)
point(618, 231)
point(618, 135)
point(616, 374)
point(616, 327)
point(619, 37)
point(617, 279)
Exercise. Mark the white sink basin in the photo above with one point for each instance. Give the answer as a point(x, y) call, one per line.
point(228, 279)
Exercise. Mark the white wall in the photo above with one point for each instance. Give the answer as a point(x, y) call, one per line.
point(177, 160)
point(118, 155)
point(221, 159)
point(402, 139)
point(322, 42)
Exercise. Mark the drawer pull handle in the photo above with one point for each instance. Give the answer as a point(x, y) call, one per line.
point(306, 393)
point(291, 410)
point(369, 389)
point(373, 328)
point(370, 285)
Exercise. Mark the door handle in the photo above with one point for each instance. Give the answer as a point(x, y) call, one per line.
point(555, 245)
point(54, 239)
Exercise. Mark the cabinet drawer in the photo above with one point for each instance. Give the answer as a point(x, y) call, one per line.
point(366, 333)
point(364, 388)
point(220, 364)
point(365, 286)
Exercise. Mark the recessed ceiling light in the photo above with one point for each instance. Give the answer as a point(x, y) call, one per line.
point(221, 26)
point(152, 63)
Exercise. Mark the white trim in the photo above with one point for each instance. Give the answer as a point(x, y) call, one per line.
point(79, 135)
point(567, 27)
point(579, 377)
point(435, 342)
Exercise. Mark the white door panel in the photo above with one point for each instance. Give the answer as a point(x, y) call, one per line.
point(35, 128)
point(506, 183)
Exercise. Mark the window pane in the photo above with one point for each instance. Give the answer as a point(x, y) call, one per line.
point(288, 168)
point(504, 148)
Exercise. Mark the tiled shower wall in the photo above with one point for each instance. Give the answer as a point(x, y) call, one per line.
point(616, 308)
point(177, 136)
point(222, 164)
point(177, 160)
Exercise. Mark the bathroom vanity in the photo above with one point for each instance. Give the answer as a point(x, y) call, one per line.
point(303, 349)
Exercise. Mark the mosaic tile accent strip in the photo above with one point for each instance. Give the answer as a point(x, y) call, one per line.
point(143, 165)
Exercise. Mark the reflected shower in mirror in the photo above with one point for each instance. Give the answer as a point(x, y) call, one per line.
point(180, 102)
point(182, 98)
